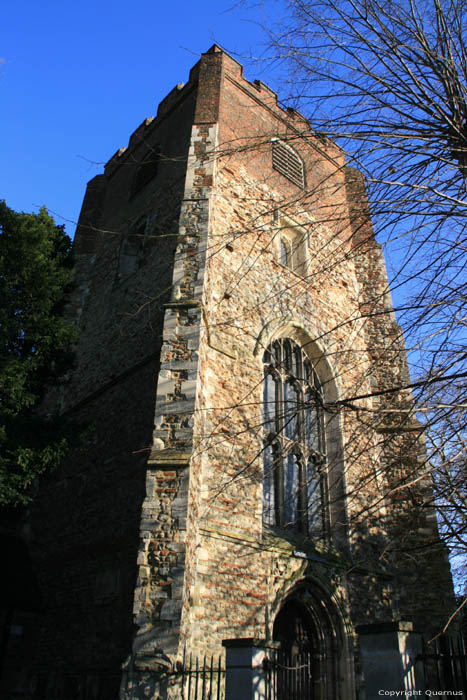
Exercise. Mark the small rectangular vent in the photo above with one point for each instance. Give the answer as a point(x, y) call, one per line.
point(288, 163)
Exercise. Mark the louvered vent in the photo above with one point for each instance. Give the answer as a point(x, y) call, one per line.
point(287, 162)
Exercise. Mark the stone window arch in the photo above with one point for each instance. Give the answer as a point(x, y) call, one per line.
point(295, 486)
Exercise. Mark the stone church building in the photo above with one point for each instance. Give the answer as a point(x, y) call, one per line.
point(248, 478)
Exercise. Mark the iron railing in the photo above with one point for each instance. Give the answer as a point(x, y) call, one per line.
point(202, 679)
point(193, 678)
point(445, 664)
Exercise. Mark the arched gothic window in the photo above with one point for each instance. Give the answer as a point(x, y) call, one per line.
point(294, 488)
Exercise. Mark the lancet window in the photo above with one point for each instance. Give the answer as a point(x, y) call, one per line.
point(292, 253)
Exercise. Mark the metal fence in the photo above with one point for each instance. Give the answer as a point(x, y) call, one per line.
point(445, 664)
point(193, 678)
point(202, 679)
point(286, 677)
point(303, 676)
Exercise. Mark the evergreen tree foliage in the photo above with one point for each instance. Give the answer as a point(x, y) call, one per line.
point(36, 270)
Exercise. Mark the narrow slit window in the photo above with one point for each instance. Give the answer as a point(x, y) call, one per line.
point(131, 250)
point(292, 251)
point(286, 253)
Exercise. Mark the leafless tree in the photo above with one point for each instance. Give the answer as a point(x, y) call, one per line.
point(387, 80)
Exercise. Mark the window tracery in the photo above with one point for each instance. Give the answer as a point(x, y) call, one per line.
point(294, 489)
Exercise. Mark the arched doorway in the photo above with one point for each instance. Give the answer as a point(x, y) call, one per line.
point(297, 663)
point(312, 663)
point(294, 630)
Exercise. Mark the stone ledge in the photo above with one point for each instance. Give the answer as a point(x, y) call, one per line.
point(169, 459)
point(183, 304)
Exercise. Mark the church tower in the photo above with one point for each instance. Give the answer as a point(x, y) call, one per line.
point(249, 470)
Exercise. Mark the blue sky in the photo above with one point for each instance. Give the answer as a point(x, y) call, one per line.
point(76, 78)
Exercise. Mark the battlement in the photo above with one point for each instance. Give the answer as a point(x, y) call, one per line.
point(233, 71)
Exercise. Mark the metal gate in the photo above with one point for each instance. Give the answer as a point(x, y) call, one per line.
point(293, 676)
